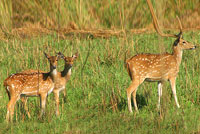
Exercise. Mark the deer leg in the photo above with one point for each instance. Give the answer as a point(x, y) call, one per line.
point(8, 111)
point(134, 99)
point(173, 86)
point(132, 89)
point(159, 93)
point(129, 92)
point(10, 108)
point(56, 97)
point(8, 93)
point(24, 101)
point(43, 98)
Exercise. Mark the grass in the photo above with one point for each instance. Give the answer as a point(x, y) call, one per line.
point(96, 93)
point(95, 14)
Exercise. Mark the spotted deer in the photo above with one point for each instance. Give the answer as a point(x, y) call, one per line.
point(61, 78)
point(22, 85)
point(156, 67)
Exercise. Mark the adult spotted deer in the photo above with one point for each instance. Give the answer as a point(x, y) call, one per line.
point(30, 84)
point(61, 78)
point(156, 67)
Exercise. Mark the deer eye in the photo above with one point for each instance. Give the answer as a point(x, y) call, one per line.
point(184, 42)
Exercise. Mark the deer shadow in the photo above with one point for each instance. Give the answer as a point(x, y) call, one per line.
point(140, 99)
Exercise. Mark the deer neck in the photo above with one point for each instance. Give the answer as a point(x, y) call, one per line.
point(177, 52)
point(67, 71)
point(53, 74)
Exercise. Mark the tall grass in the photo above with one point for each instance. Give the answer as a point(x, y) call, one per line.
point(96, 93)
point(93, 14)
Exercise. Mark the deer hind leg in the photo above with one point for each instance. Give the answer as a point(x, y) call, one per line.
point(173, 86)
point(8, 111)
point(132, 89)
point(10, 108)
point(43, 98)
point(134, 99)
point(8, 93)
point(159, 93)
point(24, 101)
point(56, 97)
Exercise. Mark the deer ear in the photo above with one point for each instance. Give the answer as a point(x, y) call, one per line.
point(60, 55)
point(46, 55)
point(177, 41)
point(180, 35)
point(75, 55)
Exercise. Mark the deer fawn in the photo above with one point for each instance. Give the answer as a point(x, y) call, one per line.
point(156, 67)
point(61, 78)
point(30, 84)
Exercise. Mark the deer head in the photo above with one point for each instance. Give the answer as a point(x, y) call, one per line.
point(53, 60)
point(183, 44)
point(69, 60)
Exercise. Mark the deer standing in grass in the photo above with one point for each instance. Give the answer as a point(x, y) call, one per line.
point(61, 78)
point(156, 67)
point(30, 84)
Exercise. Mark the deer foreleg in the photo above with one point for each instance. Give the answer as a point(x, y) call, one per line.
point(56, 97)
point(43, 98)
point(173, 86)
point(159, 93)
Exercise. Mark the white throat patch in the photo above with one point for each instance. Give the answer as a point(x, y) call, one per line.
point(70, 71)
point(54, 72)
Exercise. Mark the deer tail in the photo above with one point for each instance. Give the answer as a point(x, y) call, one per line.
point(126, 64)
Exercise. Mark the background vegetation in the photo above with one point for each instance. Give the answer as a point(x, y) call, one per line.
point(104, 14)
point(96, 93)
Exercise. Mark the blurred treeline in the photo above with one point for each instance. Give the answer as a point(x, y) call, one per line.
point(96, 14)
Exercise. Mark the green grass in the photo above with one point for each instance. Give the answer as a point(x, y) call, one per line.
point(96, 93)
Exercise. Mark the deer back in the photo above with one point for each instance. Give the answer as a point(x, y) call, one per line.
point(29, 84)
point(152, 66)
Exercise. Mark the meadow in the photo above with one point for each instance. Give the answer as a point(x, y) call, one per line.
point(96, 93)
point(101, 32)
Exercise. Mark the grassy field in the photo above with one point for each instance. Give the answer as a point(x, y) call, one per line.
point(84, 14)
point(96, 99)
point(96, 93)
